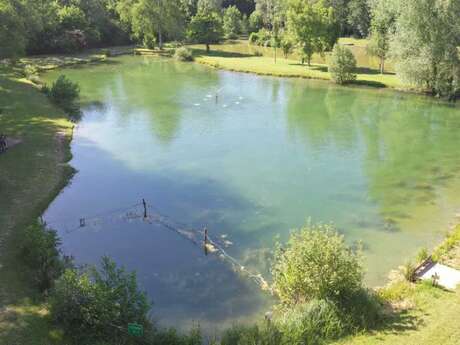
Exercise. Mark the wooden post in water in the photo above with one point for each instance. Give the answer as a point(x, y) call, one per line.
point(206, 241)
point(145, 208)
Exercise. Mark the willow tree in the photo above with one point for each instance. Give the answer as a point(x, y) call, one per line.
point(425, 46)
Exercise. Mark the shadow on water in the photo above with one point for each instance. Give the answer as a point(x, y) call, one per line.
point(183, 283)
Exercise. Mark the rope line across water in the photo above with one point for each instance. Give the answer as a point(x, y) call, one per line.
point(137, 212)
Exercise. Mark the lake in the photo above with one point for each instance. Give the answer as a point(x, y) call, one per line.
point(250, 158)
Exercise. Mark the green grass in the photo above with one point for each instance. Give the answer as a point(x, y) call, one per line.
point(33, 172)
point(430, 316)
point(31, 175)
point(239, 56)
point(427, 315)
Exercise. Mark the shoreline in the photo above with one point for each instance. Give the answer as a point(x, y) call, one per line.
point(63, 157)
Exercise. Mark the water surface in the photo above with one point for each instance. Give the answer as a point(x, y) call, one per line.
point(251, 164)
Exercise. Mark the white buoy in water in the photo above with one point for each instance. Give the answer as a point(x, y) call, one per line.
point(197, 104)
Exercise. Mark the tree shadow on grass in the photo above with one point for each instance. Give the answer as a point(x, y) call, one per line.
point(27, 323)
point(220, 53)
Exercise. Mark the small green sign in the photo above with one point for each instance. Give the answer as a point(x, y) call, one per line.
point(135, 329)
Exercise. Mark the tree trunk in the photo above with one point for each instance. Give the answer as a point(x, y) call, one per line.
point(275, 54)
point(207, 48)
point(160, 39)
point(382, 65)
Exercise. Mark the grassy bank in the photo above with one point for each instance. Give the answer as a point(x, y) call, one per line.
point(428, 315)
point(239, 56)
point(31, 174)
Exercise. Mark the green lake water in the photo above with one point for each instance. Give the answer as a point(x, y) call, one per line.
point(261, 159)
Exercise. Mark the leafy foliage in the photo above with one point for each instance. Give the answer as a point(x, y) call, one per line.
point(311, 323)
point(183, 54)
point(267, 334)
point(316, 264)
point(359, 17)
point(13, 35)
point(206, 27)
point(232, 22)
point(255, 21)
point(65, 94)
point(342, 65)
point(425, 45)
point(40, 252)
point(98, 304)
point(313, 27)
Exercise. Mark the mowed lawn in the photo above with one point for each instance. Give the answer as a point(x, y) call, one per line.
point(240, 56)
point(31, 174)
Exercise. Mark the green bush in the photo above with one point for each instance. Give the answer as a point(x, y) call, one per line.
point(40, 252)
point(106, 52)
point(172, 337)
point(98, 305)
point(409, 271)
point(64, 93)
point(311, 323)
point(253, 38)
point(261, 38)
point(265, 38)
point(267, 334)
point(342, 65)
point(316, 264)
point(183, 54)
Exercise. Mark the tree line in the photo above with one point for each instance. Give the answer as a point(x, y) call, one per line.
point(421, 38)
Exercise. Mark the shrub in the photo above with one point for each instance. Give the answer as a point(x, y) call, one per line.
point(265, 38)
point(342, 65)
point(316, 264)
point(64, 93)
point(39, 251)
point(183, 54)
point(253, 38)
point(311, 323)
point(98, 305)
point(409, 271)
point(106, 52)
point(172, 337)
point(266, 334)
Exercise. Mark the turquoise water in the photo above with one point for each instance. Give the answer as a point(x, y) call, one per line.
point(251, 164)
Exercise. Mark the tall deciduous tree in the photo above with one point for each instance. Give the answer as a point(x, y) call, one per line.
point(13, 34)
point(151, 20)
point(359, 17)
point(313, 26)
point(232, 22)
point(426, 44)
point(383, 13)
point(206, 27)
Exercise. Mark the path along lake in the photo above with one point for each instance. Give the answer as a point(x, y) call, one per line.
point(251, 164)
